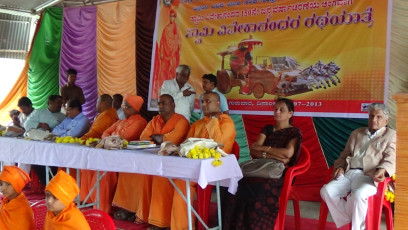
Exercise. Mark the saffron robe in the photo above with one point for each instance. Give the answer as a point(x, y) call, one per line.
point(69, 218)
point(16, 214)
point(174, 130)
point(107, 184)
point(128, 183)
point(221, 130)
point(129, 129)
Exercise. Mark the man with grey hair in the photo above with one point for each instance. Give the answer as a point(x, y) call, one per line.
point(182, 92)
point(367, 159)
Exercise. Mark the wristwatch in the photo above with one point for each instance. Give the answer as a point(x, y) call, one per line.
point(264, 153)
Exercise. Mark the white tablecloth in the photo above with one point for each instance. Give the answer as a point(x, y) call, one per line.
point(135, 161)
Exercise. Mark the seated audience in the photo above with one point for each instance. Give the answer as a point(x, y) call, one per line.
point(117, 104)
point(129, 129)
point(76, 124)
point(256, 203)
point(62, 211)
point(46, 119)
point(158, 201)
point(369, 157)
point(15, 211)
point(107, 117)
point(209, 84)
point(182, 92)
point(71, 91)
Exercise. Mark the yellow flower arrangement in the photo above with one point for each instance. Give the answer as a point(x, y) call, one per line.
point(91, 140)
point(2, 132)
point(125, 144)
point(200, 152)
point(68, 139)
point(389, 194)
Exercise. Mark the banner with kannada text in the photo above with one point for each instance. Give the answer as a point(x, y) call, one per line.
point(329, 57)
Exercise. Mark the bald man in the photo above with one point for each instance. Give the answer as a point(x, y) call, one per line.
point(157, 197)
point(215, 125)
point(107, 117)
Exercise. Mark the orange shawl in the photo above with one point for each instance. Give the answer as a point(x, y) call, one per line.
point(16, 214)
point(68, 219)
point(174, 130)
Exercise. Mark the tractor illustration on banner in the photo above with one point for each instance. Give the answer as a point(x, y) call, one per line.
point(272, 75)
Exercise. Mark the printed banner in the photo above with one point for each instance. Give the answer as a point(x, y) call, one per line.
point(329, 57)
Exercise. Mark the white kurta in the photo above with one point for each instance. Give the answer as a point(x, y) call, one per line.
point(184, 105)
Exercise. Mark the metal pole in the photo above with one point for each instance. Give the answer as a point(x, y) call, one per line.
point(219, 204)
point(190, 222)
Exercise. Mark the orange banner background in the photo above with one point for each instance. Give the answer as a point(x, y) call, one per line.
point(352, 34)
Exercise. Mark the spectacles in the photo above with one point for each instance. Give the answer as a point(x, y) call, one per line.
point(126, 106)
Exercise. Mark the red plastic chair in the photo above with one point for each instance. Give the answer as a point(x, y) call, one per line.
point(40, 211)
point(99, 220)
point(204, 195)
point(301, 167)
point(376, 204)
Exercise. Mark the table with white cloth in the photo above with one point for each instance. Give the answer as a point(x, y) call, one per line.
point(144, 161)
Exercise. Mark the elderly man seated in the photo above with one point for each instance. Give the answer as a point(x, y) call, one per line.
point(76, 124)
point(132, 126)
point(130, 129)
point(46, 119)
point(367, 159)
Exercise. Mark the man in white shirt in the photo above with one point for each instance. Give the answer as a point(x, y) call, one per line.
point(46, 119)
point(182, 92)
point(367, 159)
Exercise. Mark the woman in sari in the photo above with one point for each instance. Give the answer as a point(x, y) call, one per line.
point(256, 203)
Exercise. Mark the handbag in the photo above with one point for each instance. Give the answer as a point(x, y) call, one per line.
point(264, 168)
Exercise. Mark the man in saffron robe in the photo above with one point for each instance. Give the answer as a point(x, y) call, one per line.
point(15, 211)
point(129, 129)
point(106, 118)
point(62, 212)
point(215, 125)
point(167, 126)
